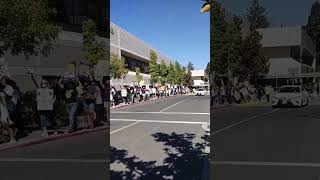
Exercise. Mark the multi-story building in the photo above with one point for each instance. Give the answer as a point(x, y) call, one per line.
point(200, 78)
point(289, 49)
point(136, 53)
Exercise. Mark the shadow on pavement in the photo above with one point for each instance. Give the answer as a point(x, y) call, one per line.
point(184, 160)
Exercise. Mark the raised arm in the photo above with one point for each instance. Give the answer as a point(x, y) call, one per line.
point(34, 81)
point(79, 82)
point(60, 82)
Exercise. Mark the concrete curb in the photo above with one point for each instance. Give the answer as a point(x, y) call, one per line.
point(253, 105)
point(223, 106)
point(48, 139)
point(139, 103)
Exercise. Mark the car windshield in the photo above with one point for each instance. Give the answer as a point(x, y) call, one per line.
point(199, 89)
point(289, 90)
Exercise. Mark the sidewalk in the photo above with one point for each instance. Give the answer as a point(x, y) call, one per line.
point(263, 103)
point(36, 138)
point(150, 100)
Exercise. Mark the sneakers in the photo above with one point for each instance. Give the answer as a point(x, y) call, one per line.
point(44, 134)
point(12, 141)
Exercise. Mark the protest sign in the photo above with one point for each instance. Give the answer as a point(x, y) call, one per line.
point(45, 99)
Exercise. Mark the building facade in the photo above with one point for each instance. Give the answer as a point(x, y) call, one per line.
point(200, 78)
point(290, 50)
point(136, 53)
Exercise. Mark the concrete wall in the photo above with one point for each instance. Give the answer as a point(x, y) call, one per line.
point(131, 44)
point(283, 66)
point(124, 43)
point(66, 48)
point(278, 37)
point(287, 48)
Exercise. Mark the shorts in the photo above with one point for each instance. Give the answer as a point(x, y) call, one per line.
point(88, 106)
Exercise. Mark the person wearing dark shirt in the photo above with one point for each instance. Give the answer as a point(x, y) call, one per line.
point(89, 97)
point(71, 95)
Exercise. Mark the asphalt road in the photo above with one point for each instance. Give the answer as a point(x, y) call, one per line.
point(157, 140)
point(80, 157)
point(263, 143)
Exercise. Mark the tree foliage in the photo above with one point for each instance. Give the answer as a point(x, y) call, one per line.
point(92, 49)
point(154, 67)
point(178, 73)
point(190, 66)
point(234, 40)
point(188, 78)
point(118, 67)
point(24, 27)
point(171, 74)
point(313, 27)
point(218, 40)
point(163, 72)
point(253, 61)
point(139, 77)
point(257, 16)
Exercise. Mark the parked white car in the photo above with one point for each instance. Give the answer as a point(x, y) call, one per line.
point(200, 92)
point(291, 95)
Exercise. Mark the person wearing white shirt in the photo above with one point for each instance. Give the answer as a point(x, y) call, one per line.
point(124, 94)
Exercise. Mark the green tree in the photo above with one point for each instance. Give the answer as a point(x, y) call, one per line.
point(171, 74)
point(257, 16)
point(253, 61)
point(92, 50)
point(188, 78)
point(190, 66)
point(218, 49)
point(139, 77)
point(233, 47)
point(118, 67)
point(313, 28)
point(24, 28)
point(154, 67)
point(178, 74)
point(163, 73)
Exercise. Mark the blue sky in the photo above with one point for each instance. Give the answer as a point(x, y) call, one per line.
point(174, 27)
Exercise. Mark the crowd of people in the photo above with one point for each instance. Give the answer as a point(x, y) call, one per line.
point(82, 96)
point(133, 94)
point(241, 93)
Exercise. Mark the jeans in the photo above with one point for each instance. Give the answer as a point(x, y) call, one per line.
point(132, 98)
point(124, 99)
point(88, 106)
point(44, 118)
point(71, 109)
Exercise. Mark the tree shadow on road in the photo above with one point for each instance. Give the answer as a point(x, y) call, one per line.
point(184, 160)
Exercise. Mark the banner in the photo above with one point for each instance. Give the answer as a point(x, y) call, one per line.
point(45, 99)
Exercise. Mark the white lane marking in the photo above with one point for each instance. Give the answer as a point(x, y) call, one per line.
point(175, 104)
point(125, 127)
point(243, 163)
point(53, 160)
point(172, 113)
point(159, 121)
point(243, 121)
